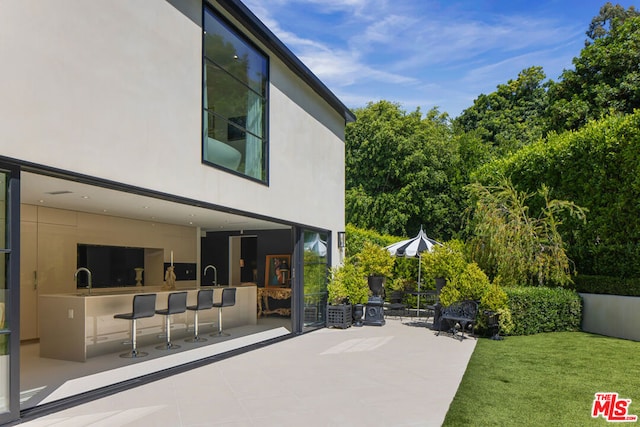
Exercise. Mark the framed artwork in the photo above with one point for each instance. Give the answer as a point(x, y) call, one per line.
point(277, 272)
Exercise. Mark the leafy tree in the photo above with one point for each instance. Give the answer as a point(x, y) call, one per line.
point(509, 243)
point(399, 171)
point(510, 117)
point(610, 16)
point(606, 79)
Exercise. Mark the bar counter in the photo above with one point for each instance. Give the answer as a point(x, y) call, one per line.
point(79, 326)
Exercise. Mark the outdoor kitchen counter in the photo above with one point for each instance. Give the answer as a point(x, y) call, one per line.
point(79, 326)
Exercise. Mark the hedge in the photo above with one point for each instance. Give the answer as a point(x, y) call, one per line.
point(607, 285)
point(540, 309)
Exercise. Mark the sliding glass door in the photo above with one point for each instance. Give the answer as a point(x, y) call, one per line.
point(315, 262)
point(9, 302)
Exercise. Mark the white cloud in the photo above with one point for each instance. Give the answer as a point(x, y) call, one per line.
point(441, 51)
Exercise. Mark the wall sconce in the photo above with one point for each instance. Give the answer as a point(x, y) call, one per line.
point(341, 239)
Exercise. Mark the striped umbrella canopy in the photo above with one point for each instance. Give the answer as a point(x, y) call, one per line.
point(414, 248)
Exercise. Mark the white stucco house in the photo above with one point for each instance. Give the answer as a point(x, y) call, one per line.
point(176, 133)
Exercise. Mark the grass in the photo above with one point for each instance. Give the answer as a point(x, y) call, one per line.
point(545, 380)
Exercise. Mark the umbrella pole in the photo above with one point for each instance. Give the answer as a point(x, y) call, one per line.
point(419, 268)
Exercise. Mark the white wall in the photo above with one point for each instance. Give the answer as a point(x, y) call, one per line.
point(611, 315)
point(112, 89)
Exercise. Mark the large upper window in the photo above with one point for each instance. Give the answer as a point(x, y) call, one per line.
point(234, 101)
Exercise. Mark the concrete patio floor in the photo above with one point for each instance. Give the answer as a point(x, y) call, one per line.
point(400, 374)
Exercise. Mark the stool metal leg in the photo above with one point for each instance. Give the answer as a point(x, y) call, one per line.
point(168, 345)
point(134, 344)
point(195, 338)
point(220, 333)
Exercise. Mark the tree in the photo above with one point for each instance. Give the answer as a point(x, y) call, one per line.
point(610, 16)
point(510, 117)
point(515, 246)
point(400, 168)
point(606, 79)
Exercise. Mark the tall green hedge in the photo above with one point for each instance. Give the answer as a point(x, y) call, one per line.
point(596, 167)
point(539, 309)
point(607, 285)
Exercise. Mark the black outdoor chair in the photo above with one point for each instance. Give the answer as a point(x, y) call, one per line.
point(396, 305)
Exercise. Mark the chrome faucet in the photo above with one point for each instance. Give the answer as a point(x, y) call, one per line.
point(75, 277)
point(215, 273)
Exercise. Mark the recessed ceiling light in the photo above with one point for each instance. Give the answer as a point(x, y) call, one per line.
point(145, 207)
point(85, 197)
point(41, 201)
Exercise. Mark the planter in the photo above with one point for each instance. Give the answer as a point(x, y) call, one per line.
point(358, 313)
point(339, 316)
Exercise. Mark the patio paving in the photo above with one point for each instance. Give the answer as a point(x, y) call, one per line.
point(399, 374)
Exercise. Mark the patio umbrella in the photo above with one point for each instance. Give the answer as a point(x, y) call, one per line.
point(414, 248)
point(316, 245)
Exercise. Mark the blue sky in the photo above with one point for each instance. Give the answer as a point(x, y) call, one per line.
point(428, 53)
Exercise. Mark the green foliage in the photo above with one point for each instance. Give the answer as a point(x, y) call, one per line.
point(315, 273)
point(496, 300)
point(510, 243)
point(597, 167)
point(605, 79)
point(399, 171)
point(510, 117)
point(607, 285)
point(537, 309)
point(448, 261)
point(470, 284)
point(348, 284)
point(610, 16)
point(375, 260)
point(356, 238)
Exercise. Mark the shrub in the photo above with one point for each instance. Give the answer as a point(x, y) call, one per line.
point(607, 285)
point(375, 260)
point(471, 284)
point(540, 309)
point(496, 300)
point(446, 261)
point(347, 284)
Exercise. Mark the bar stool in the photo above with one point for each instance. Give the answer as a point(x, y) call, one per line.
point(205, 302)
point(143, 306)
point(228, 299)
point(176, 303)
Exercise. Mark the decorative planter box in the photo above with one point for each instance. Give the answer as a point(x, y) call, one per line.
point(339, 316)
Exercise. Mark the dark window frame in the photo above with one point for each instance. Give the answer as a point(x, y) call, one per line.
point(231, 123)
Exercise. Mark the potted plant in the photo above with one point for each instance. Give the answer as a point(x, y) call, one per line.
point(346, 286)
point(377, 265)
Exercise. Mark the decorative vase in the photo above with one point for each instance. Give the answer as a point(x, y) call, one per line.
point(358, 314)
point(138, 271)
point(376, 285)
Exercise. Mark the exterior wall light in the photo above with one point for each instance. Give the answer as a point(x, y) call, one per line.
point(341, 239)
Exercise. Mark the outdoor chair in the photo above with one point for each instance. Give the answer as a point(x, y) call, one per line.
point(396, 304)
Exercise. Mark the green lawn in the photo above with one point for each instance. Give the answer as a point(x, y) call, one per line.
point(545, 380)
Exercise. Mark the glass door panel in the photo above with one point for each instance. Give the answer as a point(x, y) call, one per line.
point(9, 348)
point(315, 270)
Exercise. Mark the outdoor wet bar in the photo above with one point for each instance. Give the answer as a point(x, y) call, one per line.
point(80, 326)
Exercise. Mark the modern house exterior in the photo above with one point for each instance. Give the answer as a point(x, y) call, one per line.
point(182, 130)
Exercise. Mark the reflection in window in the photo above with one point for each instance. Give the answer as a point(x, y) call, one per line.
point(315, 265)
point(4, 298)
point(234, 101)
